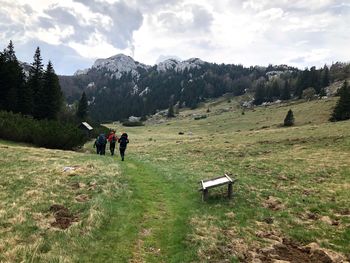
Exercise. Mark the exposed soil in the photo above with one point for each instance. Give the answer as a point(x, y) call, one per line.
point(63, 217)
point(273, 203)
point(290, 251)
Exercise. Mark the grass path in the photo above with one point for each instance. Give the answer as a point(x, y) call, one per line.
point(162, 227)
point(149, 223)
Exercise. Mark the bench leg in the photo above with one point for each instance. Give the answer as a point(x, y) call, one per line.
point(229, 191)
point(205, 195)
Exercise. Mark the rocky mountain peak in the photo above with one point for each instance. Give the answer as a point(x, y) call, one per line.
point(179, 65)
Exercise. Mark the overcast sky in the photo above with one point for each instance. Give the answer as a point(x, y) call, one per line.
point(73, 33)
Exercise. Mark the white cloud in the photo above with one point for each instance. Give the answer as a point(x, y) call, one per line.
point(95, 47)
point(271, 14)
point(54, 36)
point(301, 32)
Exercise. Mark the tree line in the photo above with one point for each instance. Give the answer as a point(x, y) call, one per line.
point(32, 106)
point(38, 95)
point(296, 84)
point(112, 98)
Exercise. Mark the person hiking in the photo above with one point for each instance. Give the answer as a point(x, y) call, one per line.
point(112, 138)
point(102, 141)
point(97, 146)
point(123, 142)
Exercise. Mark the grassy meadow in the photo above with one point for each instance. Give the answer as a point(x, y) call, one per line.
point(293, 183)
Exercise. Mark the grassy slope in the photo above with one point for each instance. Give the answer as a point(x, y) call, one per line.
point(148, 208)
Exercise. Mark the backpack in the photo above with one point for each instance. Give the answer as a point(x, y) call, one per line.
point(123, 141)
point(101, 139)
point(114, 139)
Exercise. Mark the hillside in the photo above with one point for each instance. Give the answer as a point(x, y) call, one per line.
point(119, 87)
point(290, 202)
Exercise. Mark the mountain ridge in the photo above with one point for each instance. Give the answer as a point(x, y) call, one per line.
point(121, 63)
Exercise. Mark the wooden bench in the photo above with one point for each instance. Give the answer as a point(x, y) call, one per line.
point(211, 183)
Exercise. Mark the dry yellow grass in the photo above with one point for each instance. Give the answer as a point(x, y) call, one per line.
point(32, 180)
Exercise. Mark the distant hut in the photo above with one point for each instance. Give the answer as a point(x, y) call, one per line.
point(86, 128)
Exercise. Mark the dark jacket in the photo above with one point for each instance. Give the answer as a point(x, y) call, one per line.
point(101, 139)
point(123, 141)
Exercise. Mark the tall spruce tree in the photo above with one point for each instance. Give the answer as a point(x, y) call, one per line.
point(260, 94)
point(82, 111)
point(342, 109)
point(171, 113)
point(285, 94)
point(35, 82)
point(52, 94)
point(325, 77)
point(11, 79)
point(3, 91)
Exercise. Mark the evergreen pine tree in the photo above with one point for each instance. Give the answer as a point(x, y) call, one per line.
point(171, 108)
point(52, 95)
point(3, 90)
point(82, 107)
point(285, 95)
point(342, 108)
point(275, 90)
point(325, 77)
point(260, 94)
point(323, 92)
point(35, 82)
point(289, 119)
point(315, 79)
point(12, 79)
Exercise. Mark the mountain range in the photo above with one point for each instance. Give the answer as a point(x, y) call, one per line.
point(119, 86)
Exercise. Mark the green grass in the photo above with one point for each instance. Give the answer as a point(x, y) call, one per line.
point(148, 208)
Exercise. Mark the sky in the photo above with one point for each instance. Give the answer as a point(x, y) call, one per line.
point(74, 33)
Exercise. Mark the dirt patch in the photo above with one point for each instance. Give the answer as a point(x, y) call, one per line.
point(290, 251)
point(269, 235)
point(63, 217)
point(273, 203)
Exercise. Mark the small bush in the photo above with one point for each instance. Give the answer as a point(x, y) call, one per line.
point(289, 119)
point(43, 133)
point(132, 123)
point(308, 93)
point(200, 117)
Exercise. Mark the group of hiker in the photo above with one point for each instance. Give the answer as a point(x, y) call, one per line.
point(101, 143)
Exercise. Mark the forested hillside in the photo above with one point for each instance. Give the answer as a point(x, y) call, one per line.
point(119, 87)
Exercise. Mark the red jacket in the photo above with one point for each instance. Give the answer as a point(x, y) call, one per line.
point(110, 137)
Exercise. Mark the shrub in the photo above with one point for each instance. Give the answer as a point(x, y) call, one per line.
point(309, 93)
point(289, 119)
point(132, 123)
point(43, 133)
point(342, 108)
point(200, 117)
